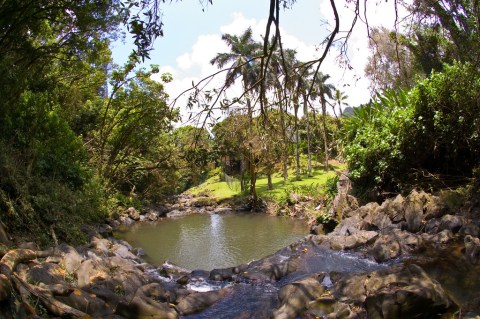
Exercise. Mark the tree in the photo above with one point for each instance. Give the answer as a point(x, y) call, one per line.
point(243, 49)
point(340, 99)
point(322, 91)
point(391, 63)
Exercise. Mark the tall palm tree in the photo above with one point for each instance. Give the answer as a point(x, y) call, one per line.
point(340, 98)
point(322, 91)
point(243, 50)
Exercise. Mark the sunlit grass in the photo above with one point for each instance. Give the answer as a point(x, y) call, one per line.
point(220, 190)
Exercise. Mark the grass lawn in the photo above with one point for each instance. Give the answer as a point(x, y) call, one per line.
point(220, 190)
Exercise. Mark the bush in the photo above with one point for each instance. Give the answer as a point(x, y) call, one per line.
point(428, 137)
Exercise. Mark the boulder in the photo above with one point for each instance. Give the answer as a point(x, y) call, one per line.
point(395, 243)
point(221, 274)
point(472, 249)
point(295, 297)
point(87, 302)
point(414, 211)
point(470, 229)
point(92, 272)
point(403, 291)
point(151, 216)
point(451, 222)
point(411, 293)
point(71, 258)
point(359, 238)
point(133, 213)
point(46, 273)
point(377, 220)
point(145, 308)
point(394, 208)
point(198, 301)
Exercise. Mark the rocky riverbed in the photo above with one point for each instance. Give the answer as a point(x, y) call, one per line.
point(410, 257)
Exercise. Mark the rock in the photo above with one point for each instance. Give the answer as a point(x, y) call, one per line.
point(122, 251)
point(329, 308)
point(377, 220)
point(46, 273)
point(133, 213)
point(451, 222)
point(145, 308)
point(394, 209)
point(394, 244)
point(92, 272)
point(385, 248)
point(317, 229)
point(221, 274)
point(71, 258)
point(87, 302)
point(125, 220)
point(197, 301)
point(151, 216)
point(414, 211)
point(407, 294)
point(173, 271)
point(105, 230)
point(440, 238)
point(100, 246)
point(435, 208)
point(472, 249)
point(364, 210)
point(356, 240)
point(431, 226)
point(294, 297)
point(403, 291)
point(470, 229)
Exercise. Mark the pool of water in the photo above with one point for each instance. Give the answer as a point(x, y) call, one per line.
point(208, 241)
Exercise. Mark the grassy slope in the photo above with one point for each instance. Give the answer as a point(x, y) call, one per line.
point(221, 191)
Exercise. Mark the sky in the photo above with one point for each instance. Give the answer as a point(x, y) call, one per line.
point(192, 37)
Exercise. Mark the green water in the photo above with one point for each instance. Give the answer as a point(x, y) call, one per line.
point(203, 241)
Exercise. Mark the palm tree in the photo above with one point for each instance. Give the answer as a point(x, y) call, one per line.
point(340, 98)
point(323, 90)
point(243, 50)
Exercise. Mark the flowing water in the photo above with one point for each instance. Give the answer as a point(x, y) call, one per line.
point(204, 241)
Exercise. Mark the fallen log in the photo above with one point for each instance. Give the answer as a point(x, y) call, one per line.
point(49, 302)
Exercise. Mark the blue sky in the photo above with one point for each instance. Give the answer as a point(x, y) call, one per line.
point(192, 37)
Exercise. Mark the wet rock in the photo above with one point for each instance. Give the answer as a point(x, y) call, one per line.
point(133, 213)
point(173, 271)
point(451, 222)
point(329, 308)
point(46, 273)
point(271, 268)
point(198, 301)
point(221, 274)
point(317, 229)
point(295, 297)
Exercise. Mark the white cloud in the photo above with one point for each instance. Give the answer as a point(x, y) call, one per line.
point(195, 65)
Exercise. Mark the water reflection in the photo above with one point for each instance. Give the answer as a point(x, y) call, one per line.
point(214, 241)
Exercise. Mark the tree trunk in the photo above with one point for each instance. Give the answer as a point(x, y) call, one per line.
point(269, 179)
point(297, 142)
point(305, 111)
point(324, 122)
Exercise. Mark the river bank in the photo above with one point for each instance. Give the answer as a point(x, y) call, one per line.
point(414, 256)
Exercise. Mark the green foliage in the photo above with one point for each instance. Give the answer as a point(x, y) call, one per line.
point(331, 186)
point(433, 132)
point(373, 139)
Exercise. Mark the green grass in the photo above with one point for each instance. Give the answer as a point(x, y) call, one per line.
point(221, 191)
